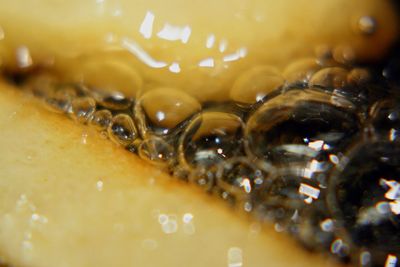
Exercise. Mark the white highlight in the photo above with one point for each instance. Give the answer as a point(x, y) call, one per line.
point(208, 63)
point(146, 28)
point(210, 41)
point(241, 53)
point(24, 58)
point(174, 33)
point(391, 261)
point(175, 68)
point(223, 45)
point(142, 55)
point(308, 190)
point(235, 257)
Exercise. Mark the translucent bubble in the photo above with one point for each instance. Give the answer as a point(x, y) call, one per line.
point(240, 177)
point(367, 25)
point(42, 85)
point(300, 71)
point(333, 77)
point(161, 110)
point(385, 118)
point(203, 176)
point(358, 76)
point(101, 119)
point(211, 137)
point(83, 108)
point(61, 99)
point(253, 85)
point(156, 151)
point(107, 73)
point(299, 125)
point(122, 130)
point(368, 178)
point(344, 54)
point(112, 100)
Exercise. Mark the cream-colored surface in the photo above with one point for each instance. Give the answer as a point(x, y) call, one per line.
point(70, 198)
point(98, 41)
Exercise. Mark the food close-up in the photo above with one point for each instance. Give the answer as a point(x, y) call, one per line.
point(199, 133)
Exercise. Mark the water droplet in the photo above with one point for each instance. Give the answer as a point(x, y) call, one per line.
point(300, 71)
point(239, 177)
point(161, 110)
point(253, 85)
point(101, 119)
point(122, 130)
point(333, 77)
point(287, 128)
point(112, 100)
point(344, 54)
point(61, 99)
point(367, 25)
point(83, 108)
point(211, 137)
point(356, 192)
point(358, 76)
point(156, 151)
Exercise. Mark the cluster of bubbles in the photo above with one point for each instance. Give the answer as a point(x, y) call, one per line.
point(314, 149)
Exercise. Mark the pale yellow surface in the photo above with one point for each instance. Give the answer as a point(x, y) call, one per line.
point(54, 212)
point(97, 41)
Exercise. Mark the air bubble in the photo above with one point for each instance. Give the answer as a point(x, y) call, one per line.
point(300, 71)
point(160, 111)
point(367, 25)
point(369, 177)
point(385, 118)
point(358, 76)
point(113, 100)
point(253, 85)
point(83, 108)
point(299, 125)
point(61, 99)
point(101, 119)
point(122, 130)
point(240, 177)
point(334, 77)
point(156, 151)
point(211, 137)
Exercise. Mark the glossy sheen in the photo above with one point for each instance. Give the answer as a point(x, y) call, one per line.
point(197, 46)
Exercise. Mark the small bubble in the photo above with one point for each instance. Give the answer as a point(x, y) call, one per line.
point(365, 258)
point(83, 108)
point(367, 25)
point(211, 137)
point(327, 225)
point(122, 130)
point(113, 100)
point(161, 110)
point(156, 151)
point(101, 119)
point(253, 85)
point(300, 71)
point(333, 77)
point(358, 76)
